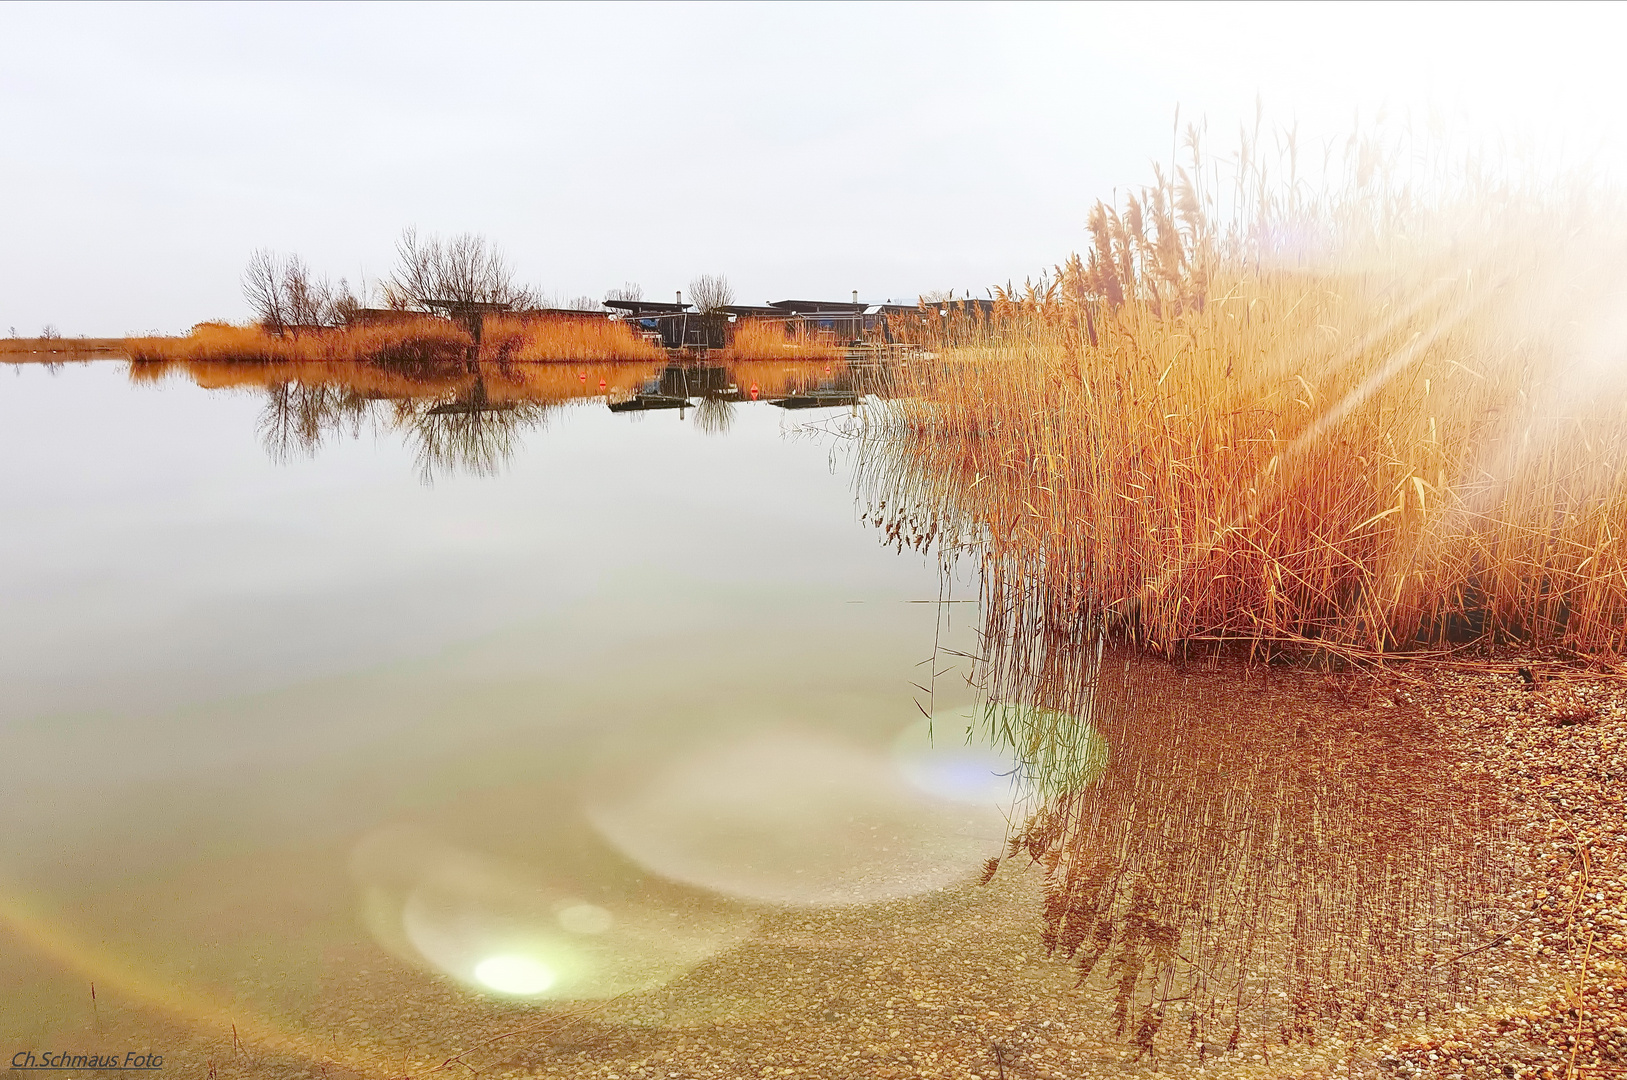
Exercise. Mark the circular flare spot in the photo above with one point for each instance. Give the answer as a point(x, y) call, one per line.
point(796, 818)
point(936, 757)
point(512, 973)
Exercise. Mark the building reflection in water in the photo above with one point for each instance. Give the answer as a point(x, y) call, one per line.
point(470, 418)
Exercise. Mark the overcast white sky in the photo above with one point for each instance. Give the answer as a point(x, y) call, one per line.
point(803, 150)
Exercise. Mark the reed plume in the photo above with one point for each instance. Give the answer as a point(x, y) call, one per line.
point(1363, 422)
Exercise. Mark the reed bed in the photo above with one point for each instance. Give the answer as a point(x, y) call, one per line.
point(774, 339)
point(1378, 419)
point(1405, 432)
point(531, 340)
point(424, 340)
point(54, 347)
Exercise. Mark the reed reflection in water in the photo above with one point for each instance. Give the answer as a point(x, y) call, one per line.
point(1234, 857)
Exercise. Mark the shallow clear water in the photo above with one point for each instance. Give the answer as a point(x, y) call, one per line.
point(563, 732)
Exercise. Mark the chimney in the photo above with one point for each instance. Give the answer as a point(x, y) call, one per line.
point(855, 296)
point(680, 296)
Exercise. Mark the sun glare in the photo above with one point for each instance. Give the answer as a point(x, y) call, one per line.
point(511, 973)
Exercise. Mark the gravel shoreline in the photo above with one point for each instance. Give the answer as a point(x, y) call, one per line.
point(1558, 747)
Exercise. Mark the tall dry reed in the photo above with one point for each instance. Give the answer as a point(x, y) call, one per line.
point(1363, 421)
point(775, 339)
point(562, 338)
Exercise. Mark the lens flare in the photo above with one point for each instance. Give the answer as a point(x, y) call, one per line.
point(935, 757)
point(796, 818)
point(513, 974)
point(507, 927)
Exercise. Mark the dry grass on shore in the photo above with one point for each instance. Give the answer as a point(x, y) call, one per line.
point(49, 349)
point(424, 340)
point(772, 339)
point(564, 339)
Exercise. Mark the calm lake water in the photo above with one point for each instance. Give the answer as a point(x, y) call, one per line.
point(279, 709)
point(612, 722)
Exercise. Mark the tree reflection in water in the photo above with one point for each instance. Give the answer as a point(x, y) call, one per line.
point(714, 415)
point(298, 417)
point(472, 417)
point(470, 434)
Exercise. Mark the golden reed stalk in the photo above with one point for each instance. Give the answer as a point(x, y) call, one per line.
point(1362, 421)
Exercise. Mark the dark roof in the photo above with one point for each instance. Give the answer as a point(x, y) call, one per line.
point(381, 315)
point(464, 305)
point(818, 399)
point(646, 402)
point(814, 306)
point(638, 307)
point(751, 310)
point(567, 313)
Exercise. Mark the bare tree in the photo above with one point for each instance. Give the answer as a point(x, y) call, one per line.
point(415, 276)
point(263, 288)
point(309, 298)
point(583, 303)
point(937, 296)
point(466, 269)
point(630, 290)
point(284, 294)
point(344, 304)
point(709, 293)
